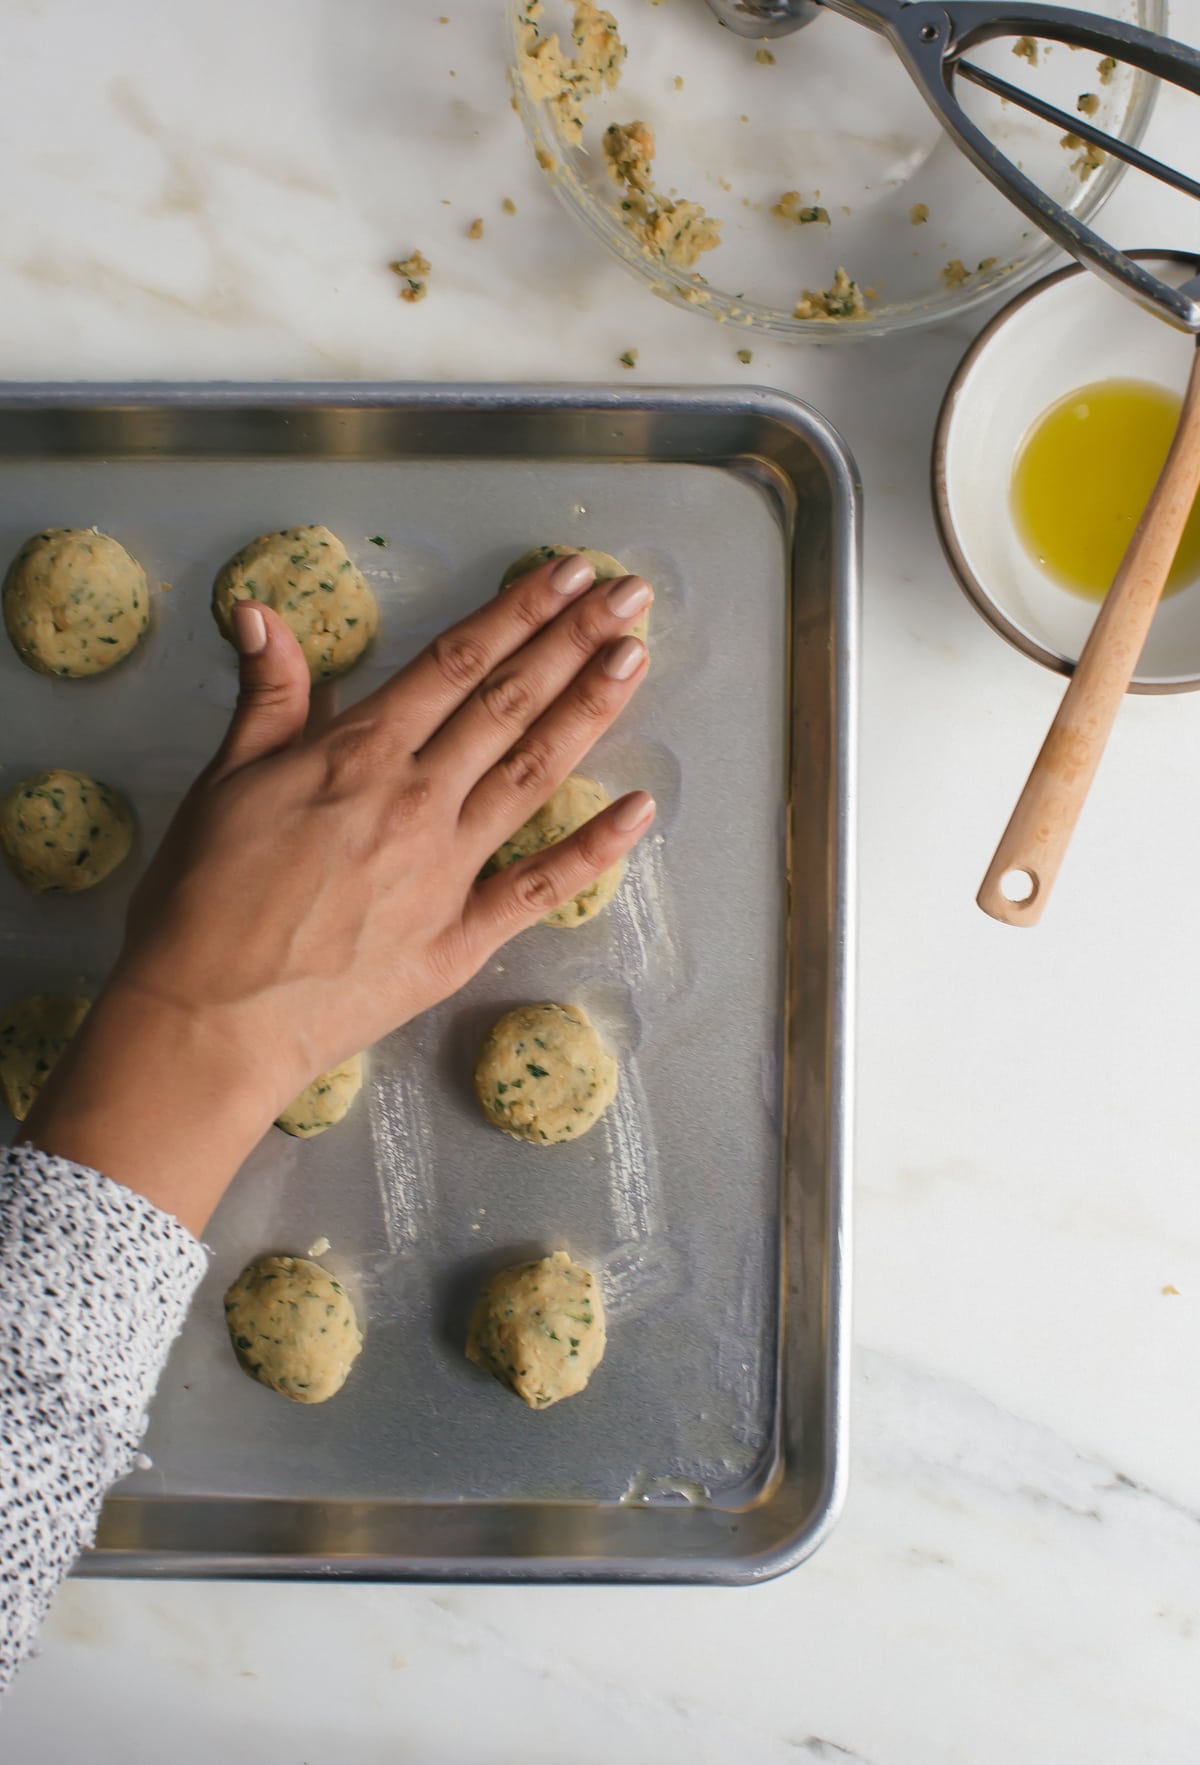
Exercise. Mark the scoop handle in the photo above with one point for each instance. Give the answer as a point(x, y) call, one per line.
point(1032, 847)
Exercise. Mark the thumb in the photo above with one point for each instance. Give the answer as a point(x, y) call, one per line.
point(273, 688)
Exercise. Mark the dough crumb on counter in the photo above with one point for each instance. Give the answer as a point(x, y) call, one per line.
point(1028, 49)
point(413, 269)
point(1106, 69)
point(563, 81)
point(1088, 103)
point(678, 82)
point(508, 205)
point(628, 358)
point(1170, 1289)
point(744, 356)
point(764, 58)
point(918, 214)
point(843, 299)
point(792, 207)
point(672, 228)
point(475, 230)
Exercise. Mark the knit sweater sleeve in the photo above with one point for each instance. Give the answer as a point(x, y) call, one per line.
point(95, 1283)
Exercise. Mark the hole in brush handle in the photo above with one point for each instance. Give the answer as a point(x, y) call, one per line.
point(1019, 886)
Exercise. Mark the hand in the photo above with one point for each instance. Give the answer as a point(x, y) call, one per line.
point(316, 890)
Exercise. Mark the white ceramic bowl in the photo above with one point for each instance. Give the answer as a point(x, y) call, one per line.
point(1065, 332)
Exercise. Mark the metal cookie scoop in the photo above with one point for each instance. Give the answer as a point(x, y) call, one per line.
point(931, 40)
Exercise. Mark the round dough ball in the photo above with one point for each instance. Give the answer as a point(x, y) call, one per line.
point(544, 1075)
point(576, 801)
point(539, 1329)
point(607, 569)
point(325, 1102)
point(293, 1327)
point(33, 1034)
point(75, 602)
point(64, 830)
point(306, 576)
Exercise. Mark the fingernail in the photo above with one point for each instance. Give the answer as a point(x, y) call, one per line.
point(250, 629)
point(629, 596)
point(633, 811)
point(571, 574)
point(620, 662)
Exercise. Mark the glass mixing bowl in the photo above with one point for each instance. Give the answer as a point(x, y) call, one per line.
point(831, 114)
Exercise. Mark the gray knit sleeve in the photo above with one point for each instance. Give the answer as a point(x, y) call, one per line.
point(95, 1283)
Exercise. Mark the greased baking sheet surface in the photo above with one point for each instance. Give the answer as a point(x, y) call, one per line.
point(675, 1197)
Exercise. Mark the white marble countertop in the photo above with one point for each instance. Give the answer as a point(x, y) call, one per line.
point(212, 192)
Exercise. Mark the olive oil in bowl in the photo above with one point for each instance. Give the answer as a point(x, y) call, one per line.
point(1083, 475)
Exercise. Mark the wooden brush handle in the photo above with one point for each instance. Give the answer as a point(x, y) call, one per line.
point(1034, 843)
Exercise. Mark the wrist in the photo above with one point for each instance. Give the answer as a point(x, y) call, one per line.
point(165, 1101)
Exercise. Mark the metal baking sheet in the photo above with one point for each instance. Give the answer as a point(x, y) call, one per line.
point(712, 1198)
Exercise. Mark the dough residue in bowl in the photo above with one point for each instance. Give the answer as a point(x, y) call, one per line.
point(669, 227)
point(1088, 159)
point(792, 207)
point(564, 81)
point(955, 274)
point(843, 299)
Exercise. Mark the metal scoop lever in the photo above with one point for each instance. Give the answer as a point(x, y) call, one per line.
point(931, 40)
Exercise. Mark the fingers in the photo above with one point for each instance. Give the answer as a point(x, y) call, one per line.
point(512, 698)
point(273, 689)
point(437, 681)
point(544, 754)
point(524, 892)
